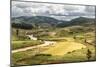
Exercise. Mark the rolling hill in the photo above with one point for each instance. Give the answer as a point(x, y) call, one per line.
point(78, 21)
point(44, 21)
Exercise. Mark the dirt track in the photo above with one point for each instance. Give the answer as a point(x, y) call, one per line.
point(46, 43)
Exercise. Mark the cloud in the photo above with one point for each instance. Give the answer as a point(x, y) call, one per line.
point(90, 9)
point(47, 9)
point(23, 5)
point(16, 11)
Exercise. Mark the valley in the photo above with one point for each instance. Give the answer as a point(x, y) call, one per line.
point(43, 40)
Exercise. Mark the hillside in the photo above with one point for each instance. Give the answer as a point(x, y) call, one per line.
point(36, 20)
point(78, 21)
point(45, 22)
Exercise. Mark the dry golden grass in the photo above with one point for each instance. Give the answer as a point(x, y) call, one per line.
point(62, 48)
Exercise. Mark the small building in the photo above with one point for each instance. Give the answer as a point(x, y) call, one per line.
point(32, 37)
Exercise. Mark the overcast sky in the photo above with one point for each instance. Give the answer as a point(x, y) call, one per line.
point(58, 11)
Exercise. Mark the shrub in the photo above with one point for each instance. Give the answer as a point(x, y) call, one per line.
point(43, 55)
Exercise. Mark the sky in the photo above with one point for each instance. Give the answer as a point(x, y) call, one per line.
point(58, 11)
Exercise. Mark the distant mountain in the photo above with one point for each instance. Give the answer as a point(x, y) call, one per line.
point(38, 20)
point(43, 21)
point(82, 20)
point(78, 21)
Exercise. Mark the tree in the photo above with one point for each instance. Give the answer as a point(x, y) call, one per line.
point(17, 32)
point(89, 54)
point(74, 37)
point(22, 25)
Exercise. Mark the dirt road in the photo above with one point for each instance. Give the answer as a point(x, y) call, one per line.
point(46, 43)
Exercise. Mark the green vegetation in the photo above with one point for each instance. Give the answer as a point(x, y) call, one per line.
point(53, 39)
point(37, 57)
point(80, 55)
point(22, 44)
point(20, 38)
point(75, 40)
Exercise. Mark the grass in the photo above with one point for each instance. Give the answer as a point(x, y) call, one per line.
point(75, 56)
point(67, 49)
point(80, 55)
point(30, 57)
point(61, 53)
point(23, 44)
point(19, 38)
point(53, 39)
point(62, 48)
point(19, 56)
